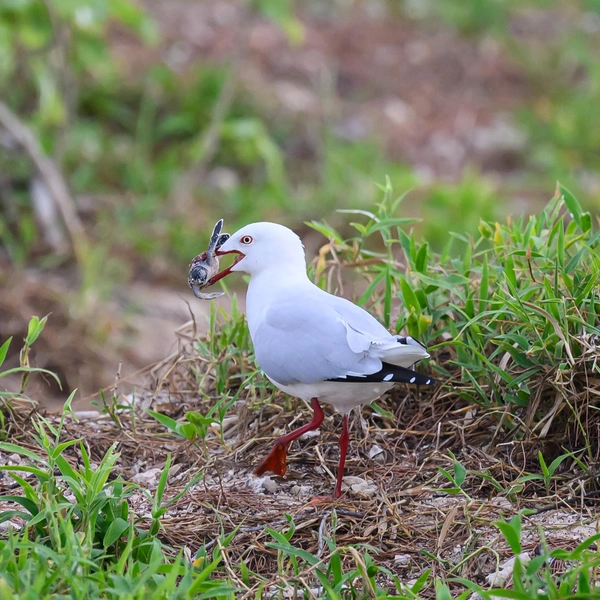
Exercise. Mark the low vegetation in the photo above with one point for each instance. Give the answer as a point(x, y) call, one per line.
point(153, 494)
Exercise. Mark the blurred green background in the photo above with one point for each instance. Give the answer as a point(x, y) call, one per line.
point(128, 127)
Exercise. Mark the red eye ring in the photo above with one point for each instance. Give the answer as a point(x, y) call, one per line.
point(246, 240)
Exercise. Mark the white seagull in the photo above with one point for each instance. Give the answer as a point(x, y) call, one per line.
point(311, 344)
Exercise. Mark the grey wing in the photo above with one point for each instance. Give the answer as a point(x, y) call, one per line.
point(309, 342)
point(367, 333)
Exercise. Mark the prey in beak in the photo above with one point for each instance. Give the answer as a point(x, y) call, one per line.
point(204, 268)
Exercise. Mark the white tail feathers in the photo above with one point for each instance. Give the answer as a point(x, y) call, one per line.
point(404, 353)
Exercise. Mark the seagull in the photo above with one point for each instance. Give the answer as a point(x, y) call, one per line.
point(309, 343)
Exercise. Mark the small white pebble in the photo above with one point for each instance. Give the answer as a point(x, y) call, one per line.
point(301, 490)
point(148, 478)
point(359, 485)
point(87, 414)
point(6, 526)
point(376, 453)
point(269, 485)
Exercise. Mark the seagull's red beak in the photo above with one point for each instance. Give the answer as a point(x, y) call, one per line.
point(226, 271)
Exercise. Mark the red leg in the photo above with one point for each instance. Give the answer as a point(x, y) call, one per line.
point(276, 459)
point(344, 440)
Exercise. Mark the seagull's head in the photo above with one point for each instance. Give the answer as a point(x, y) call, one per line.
point(262, 246)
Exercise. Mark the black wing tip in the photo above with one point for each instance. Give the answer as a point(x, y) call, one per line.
point(412, 377)
point(390, 374)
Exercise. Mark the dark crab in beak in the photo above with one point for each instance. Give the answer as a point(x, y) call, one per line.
point(204, 268)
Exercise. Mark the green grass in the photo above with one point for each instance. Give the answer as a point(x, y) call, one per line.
point(522, 291)
point(510, 325)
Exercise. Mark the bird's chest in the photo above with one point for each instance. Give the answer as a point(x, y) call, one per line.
point(256, 315)
point(263, 305)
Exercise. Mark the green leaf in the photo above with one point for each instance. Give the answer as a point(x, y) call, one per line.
point(61, 447)
point(405, 242)
point(490, 595)
point(39, 473)
point(162, 482)
point(512, 533)
point(583, 584)
point(557, 461)
point(484, 285)
point(387, 299)
point(218, 590)
point(586, 221)
point(446, 474)
point(35, 327)
point(371, 288)
point(335, 567)
point(570, 266)
point(509, 272)
point(6, 515)
point(572, 204)
point(410, 299)
point(31, 370)
point(586, 543)
point(26, 503)
point(460, 473)
point(115, 531)
point(535, 564)
point(189, 431)
point(381, 411)
point(4, 350)
point(311, 559)
point(420, 582)
point(467, 262)
point(442, 591)
point(67, 470)
point(543, 465)
point(328, 231)
point(387, 223)
point(169, 423)
point(16, 449)
point(285, 547)
point(449, 282)
point(195, 418)
point(421, 259)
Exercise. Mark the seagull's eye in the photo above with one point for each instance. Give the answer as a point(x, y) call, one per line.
point(247, 239)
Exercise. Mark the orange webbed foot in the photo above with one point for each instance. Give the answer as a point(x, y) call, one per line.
point(275, 461)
